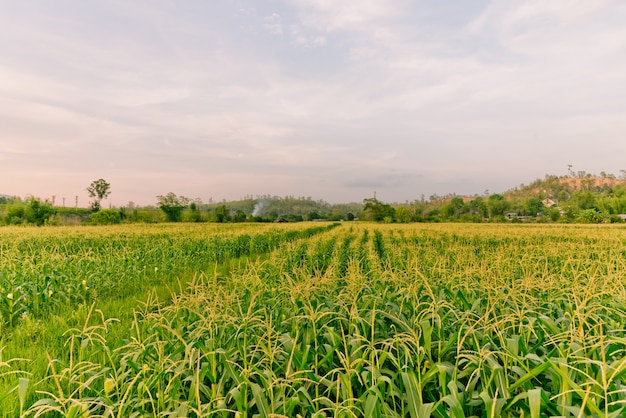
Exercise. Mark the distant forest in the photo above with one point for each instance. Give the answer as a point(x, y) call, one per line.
point(578, 197)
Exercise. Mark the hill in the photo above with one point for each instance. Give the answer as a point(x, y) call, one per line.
point(563, 188)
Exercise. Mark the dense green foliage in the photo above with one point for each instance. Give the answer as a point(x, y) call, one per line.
point(33, 210)
point(173, 206)
point(563, 199)
point(583, 199)
point(363, 320)
point(378, 211)
point(106, 217)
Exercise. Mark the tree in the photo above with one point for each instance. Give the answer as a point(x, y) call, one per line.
point(554, 214)
point(335, 215)
point(533, 206)
point(16, 214)
point(38, 212)
point(454, 208)
point(172, 206)
point(222, 214)
point(585, 199)
point(403, 215)
point(478, 207)
point(294, 218)
point(378, 210)
point(497, 205)
point(311, 216)
point(193, 214)
point(240, 216)
point(98, 190)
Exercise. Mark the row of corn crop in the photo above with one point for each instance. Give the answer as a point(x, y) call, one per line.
point(434, 320)
point(60, 267)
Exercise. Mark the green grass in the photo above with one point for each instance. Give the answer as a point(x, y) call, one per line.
point(362, 320)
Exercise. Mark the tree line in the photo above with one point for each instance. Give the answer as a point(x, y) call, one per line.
point(582, 199)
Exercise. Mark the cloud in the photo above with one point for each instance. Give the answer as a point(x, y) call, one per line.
point(273, 24)
point(301, 38)
point(384, 181)
point(328, 15)
point(336, 97)
point(513, 17)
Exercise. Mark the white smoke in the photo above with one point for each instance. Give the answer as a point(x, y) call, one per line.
point(258, 208)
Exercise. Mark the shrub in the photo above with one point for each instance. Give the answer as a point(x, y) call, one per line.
point(16, 214)
point(38, 212)
point(106, 217)
point(590, 216)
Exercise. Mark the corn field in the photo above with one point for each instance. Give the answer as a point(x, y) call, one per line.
point(351, 320)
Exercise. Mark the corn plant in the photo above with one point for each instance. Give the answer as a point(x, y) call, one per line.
point(371, 320)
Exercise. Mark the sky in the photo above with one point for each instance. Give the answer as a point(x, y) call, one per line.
point(329, 99)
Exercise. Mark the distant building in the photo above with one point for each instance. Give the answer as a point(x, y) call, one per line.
point(547, 202)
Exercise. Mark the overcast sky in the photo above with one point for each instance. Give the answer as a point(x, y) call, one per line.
point(323, 98)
